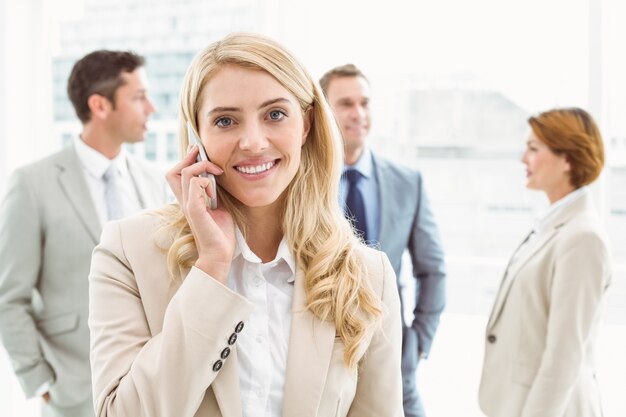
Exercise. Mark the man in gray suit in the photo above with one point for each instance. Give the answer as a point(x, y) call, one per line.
point(50, 221)
point(389, 209)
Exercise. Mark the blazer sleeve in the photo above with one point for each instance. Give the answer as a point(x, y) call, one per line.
point(140, 374)
point(581, 277)
point(20, 253)
point(428, 269)
point(379, 387)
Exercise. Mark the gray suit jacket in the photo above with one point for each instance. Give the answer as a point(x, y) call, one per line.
point(48, 229)
point(407, 222)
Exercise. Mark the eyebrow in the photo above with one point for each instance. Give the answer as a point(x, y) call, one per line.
point(238, 109)
point(344, 100)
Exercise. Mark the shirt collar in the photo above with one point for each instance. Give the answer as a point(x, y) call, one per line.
point(284, 253)
point(364, 164)
point(557, 208)
point(95, 163)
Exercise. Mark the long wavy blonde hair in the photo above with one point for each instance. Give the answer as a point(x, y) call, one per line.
point(320, 237)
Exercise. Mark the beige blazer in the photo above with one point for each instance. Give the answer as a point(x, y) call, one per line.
point(155, 341)
point(48, 229)
point(541, 335)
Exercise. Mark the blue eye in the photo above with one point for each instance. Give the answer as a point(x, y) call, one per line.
point(276, 115)
point(224, 122)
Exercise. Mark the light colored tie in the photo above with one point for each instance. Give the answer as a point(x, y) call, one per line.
point(112, 197)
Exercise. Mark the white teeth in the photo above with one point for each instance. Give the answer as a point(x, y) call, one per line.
point(257, 169)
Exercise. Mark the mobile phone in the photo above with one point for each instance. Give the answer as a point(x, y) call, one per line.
point(202, 156)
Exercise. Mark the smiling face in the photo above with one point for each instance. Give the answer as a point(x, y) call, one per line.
point(545, 170)
point(254, 129)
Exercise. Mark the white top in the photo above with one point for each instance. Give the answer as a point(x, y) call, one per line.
point(556, 208)
point(548, 216)
point(94, 165)
point(262, 346)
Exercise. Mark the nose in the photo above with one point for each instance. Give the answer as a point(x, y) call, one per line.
point(150, 108)
point(524, 159)
point(253, 138)
point(358, 112)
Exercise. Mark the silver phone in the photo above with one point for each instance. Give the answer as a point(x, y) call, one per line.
point(202, 156)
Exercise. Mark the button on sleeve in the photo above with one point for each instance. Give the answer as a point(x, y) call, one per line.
point(239, 327)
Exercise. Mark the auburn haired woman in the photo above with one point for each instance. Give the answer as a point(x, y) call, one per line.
point(541, 335)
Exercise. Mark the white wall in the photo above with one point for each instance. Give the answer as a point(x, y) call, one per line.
point(3, 95)
point(26, 84)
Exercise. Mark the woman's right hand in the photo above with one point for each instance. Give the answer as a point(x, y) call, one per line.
point(213, 230)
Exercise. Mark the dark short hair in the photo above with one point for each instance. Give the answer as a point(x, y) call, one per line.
point(347, 70)
point(572, 132)
point(99, 72)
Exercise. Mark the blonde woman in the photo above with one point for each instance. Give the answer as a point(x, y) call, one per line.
point(541, 336)
point(267, 305)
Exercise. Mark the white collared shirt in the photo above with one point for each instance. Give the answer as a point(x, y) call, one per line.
point(262, 347)
point(546, 218)
point(94, 165)
point(557, 208)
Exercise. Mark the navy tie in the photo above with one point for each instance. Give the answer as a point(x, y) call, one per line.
point(355, 206)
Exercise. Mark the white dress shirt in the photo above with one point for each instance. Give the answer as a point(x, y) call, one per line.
point(94, 165)
point(556, 208)
point(544, 219)
point(262, 348)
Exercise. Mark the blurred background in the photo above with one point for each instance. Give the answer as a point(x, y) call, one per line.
point(453, 84)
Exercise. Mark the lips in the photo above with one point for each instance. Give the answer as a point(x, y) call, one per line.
point(256, 168)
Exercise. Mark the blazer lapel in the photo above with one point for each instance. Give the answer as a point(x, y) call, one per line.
point(551, 229)
point(72, 182)
point(310, 349)
point(512, 270)
point(386, 217)
point(142, 187)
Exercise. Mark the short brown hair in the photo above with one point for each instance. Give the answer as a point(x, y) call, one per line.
point(572, 132)
point(347, 70)
point(99, 72)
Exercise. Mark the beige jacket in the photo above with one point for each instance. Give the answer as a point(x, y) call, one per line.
point(155, 341)
point(540, 340)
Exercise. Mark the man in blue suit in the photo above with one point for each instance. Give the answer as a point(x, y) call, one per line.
point(389, 209)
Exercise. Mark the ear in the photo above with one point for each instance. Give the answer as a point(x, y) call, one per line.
point(99, 106)
point(567, 165)
point(308, 122)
